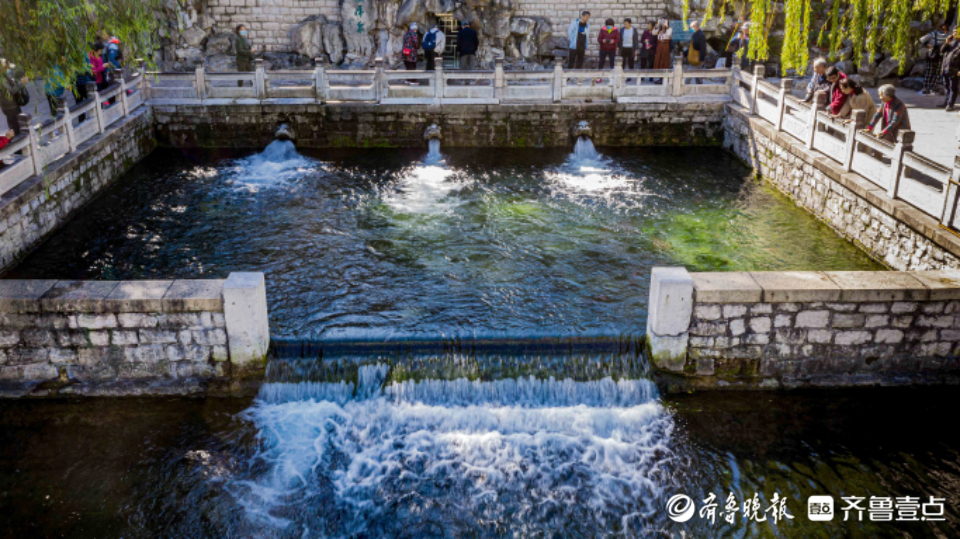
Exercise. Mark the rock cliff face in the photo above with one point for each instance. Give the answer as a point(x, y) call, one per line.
point(366, 29)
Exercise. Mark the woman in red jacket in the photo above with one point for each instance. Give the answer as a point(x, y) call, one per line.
point(96, 65)
point(5, 139)
point(609, 39)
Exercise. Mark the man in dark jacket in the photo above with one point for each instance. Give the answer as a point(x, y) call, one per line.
point(467, 44)
point(13, 95)
point(698, 43)
point(629, 44)
point(244, 51)
point(951, 69)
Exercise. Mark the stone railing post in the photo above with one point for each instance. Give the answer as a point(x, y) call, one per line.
point(905, 140)
point(260, 79)
point(617, 77)
point(734, 81)
point(123, 92)
point(668, 317)
point(438, 80)
point(64, 111)
point(379, 80)
point(786, 87)
point(33, 143)
point(248, 330)
point(677, 87)
point(858, 120)
point(951, 194)
point(557, 79)
point(97, 108)
point(200, 83)
point(819, 103)
point(758, 72)
point(144, 87)
point(320, 81)
point(498, 78)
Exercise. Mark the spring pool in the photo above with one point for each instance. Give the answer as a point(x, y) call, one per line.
point(390, 244)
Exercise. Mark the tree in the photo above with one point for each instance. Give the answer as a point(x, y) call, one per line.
point(51, 38)
point(868, 25)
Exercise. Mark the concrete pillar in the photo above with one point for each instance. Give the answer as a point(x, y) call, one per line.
point(380, 80)
point(677, 88)
point(858, 120)
point(758, 73)
point(557, 79)
point(123, 92)
point(819, 103)
point(200, 82)
point(786, 88)
point(498, 78)
point(951, 193)
point(905, 139)
point(248, 329)
point(32, 151)
point(260, 79)
point(668, 318)
point(97, 105)
point(438, 80)
point(64, 111)
point(617, 77)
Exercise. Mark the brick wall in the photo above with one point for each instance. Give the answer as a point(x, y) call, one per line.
point(791, 329)
point(332, 125)
point(130, 337)
point(39, 205)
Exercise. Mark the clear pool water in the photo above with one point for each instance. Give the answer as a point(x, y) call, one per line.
point(460, 358)
point(390, 244)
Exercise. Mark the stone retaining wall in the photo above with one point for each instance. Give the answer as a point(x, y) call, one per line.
point(790, 329)
point(131, 337)
point(674, 123)
point(890, 230)
point(31, 211)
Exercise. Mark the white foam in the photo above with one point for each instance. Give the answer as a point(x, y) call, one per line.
point(276, 165)
point(527, 457)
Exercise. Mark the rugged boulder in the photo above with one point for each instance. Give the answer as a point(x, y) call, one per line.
point(307, 37)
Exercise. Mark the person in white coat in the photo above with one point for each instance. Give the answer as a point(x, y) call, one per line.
point(579, 35)
point(433, 43)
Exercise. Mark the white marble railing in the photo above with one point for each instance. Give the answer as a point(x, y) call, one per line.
point(29, 153)
point(930, 187)
point(386, 86)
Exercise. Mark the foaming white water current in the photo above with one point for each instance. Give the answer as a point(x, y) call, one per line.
point(520, 458)
point(277, 164)
point(427, 188)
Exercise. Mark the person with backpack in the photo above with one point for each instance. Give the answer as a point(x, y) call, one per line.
point(13, 96)
point(467, 44)
point(433, 44)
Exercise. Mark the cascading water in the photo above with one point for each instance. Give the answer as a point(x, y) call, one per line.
point(377, 456)
point(434, 156)
point(584, 150)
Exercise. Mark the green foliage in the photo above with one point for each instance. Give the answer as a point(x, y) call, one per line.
point(51, 38)
point(869, 25)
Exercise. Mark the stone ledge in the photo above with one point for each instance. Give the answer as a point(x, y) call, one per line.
point(182, 295)
point(847, 286)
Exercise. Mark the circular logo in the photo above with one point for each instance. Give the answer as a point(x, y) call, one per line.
point(680, 508)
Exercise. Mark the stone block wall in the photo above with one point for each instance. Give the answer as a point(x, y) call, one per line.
point(793, 329)
point(892, 231)
point(131, 337)
point(39, 205)
point(269, 21)
point(671, 123)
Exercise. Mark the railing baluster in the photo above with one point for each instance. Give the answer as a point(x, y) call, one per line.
point(64, 111)
point(438, 81)
point(498, 80)
point(677, 87)
point(200, 83)
point(557, 79)
point(758, 73)
point(905, 140)
point(32, 150)
point(786, 87)
point(123, 93)
point(260, 79)
point(951, 195)
point(617, 77)
point(97, 108)
point(858, 120)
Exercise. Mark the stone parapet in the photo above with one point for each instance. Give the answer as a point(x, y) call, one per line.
point(131, 337)
point(795, 329)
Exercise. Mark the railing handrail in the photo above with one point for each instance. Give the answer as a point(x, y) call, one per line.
point(839, 140)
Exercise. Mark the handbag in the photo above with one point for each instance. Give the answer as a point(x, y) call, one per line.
point(693, 56)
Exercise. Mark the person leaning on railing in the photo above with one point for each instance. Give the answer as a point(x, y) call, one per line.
point(818, 81)
point(857, 99)
point(6, 138)
point(892, 116)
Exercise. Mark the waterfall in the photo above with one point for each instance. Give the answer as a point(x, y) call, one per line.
point(585, 150)
point(434, 155)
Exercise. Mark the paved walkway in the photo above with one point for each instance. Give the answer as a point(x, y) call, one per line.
point(936, 129)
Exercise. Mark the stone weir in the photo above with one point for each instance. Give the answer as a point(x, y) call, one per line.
point(331, 125)
point(767, 330)
point(124, 338)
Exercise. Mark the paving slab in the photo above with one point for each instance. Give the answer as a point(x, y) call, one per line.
point(726, 287)
point(194, 295)
point(137, 296)
point(878, 286)
point(943, 284)
point(796, 286)
point(23, 296)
